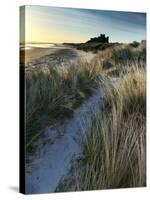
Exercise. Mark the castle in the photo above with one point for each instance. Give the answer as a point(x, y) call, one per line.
point(101, 39)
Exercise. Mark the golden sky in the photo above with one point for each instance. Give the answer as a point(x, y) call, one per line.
point(58, 25)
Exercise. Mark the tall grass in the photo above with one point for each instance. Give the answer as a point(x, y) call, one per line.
point(115, 59)
point(114, 150)
point(53, 92)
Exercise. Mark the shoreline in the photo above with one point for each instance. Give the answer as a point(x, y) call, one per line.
point(60, 55)
point(29, 55)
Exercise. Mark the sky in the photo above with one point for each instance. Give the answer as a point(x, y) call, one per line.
point(58, 25)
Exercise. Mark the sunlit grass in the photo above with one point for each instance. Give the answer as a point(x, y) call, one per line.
point(116, 58)
point(53, 92)
point(114, 150)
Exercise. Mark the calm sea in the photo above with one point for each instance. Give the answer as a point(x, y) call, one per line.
point(29, 46)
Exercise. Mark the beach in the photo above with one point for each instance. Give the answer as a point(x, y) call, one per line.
point(59, 54)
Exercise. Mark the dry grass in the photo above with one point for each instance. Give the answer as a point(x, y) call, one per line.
point(115, 59)
point(114, 150)
point(52, 93)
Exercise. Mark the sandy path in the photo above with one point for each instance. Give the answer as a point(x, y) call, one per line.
point(57, 146)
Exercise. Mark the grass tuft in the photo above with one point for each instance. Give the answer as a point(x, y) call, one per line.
point(114, 152)
point(53, 92)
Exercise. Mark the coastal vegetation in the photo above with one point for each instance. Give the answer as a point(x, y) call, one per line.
point(113, 153)
point(54, 92)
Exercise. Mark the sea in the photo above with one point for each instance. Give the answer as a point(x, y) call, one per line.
point(29, 46)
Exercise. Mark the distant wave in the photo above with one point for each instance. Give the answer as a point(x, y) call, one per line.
point(29, 46)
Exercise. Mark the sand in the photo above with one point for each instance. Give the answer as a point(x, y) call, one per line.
point(30, 55)
point(57, 146)
point(58, 55)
